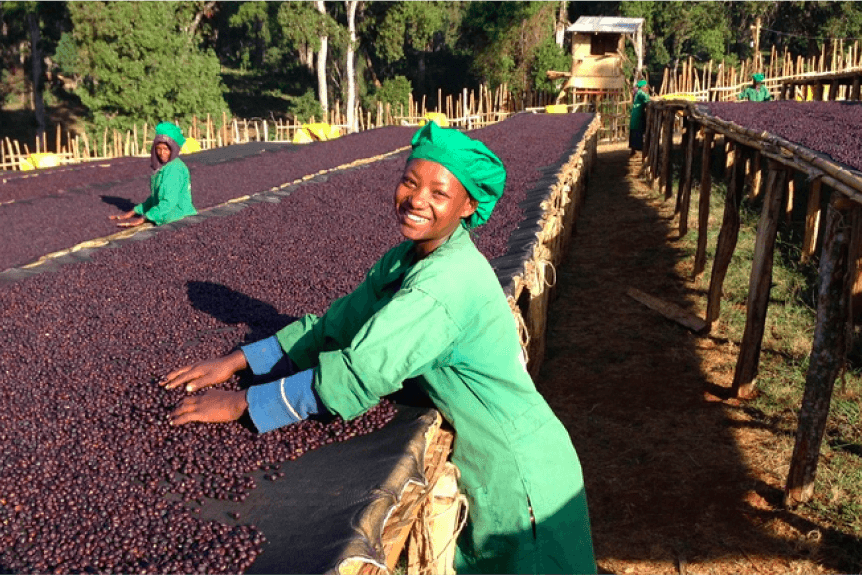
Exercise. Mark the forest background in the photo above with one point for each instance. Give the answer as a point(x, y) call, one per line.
point(114, 64)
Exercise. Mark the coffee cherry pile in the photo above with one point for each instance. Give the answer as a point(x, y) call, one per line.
point(832, 128)
point(61, 207)
point(93, 478)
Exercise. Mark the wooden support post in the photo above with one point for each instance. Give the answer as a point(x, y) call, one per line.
point(648, 135)
point(833, 90)
point(685, 180)
point(665, 179)
point(683, 147)
point(727, 237)
point(755, 175)
point(827, 356)
point(854, 90)
point(759, 283)
point(818, 91)
point(812, 221)
point(791, 190)
point(855, 259)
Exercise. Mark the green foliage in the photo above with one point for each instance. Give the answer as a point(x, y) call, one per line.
point(549, 56)
point(401, 27)
point(394, 91)
point(305, 107)
point(139, 65)
point(66, 56)
point(504, 37)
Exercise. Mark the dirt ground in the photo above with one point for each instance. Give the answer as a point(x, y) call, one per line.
point(678, 480)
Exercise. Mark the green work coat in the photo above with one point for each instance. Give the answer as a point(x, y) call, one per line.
point(759, 95)
point(170, 194)
point(445, 320)
point(638, 119)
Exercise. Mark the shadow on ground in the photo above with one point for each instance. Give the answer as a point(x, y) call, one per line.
point(669, 489)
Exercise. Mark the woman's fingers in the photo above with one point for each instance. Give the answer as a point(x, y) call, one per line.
point(214, 406)
point(177, 377)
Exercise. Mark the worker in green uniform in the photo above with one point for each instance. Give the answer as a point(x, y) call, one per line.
point(756, 92)
point(170, 185)
point(431, 308)
point(637, 123)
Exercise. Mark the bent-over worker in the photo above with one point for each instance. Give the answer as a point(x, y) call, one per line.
point(756, 92)
point(170, 185)
point(431, 308)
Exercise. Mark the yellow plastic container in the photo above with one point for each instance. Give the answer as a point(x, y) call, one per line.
point(557, 109)
point(316, 132)
point(679, 96)
point(438, 117)
point(36, 161)
point(191, 146)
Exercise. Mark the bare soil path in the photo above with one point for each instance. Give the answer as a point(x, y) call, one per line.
point(673, 478)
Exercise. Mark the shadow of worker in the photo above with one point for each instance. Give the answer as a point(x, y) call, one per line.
point(235, 308)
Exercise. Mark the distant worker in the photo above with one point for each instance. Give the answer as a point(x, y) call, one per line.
point(757, 92)
point(170, 185)
point(637, 124)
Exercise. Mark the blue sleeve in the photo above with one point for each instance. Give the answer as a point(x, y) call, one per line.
point(282, 402)
point(263, 355)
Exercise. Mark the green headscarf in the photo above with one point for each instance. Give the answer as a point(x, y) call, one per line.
point(641, 83)
point(171, 131)
point(477, 168)
point(757, 77)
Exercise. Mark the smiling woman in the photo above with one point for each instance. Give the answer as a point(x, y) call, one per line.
point(431, 311)
point(430, 203)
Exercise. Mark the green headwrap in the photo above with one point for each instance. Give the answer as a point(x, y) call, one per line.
point(641, 83)
point(477, 168)
point(757, 77)
point(171, 131)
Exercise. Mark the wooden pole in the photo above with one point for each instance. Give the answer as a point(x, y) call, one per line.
point(759, 283)
point(683, 147)
point(666, 148)
point(727, 237)
point(756, 175)
point(788, 207)
point(685, 184)
point(812, 220)
point(855, 259)
point(656, 147)
point(827, 356)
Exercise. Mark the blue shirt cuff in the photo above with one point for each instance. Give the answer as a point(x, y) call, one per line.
point(282, 402)
point(263, 355)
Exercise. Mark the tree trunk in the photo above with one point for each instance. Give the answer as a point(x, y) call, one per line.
point(322, 92)
point(351, 73)
point(36, 68)
point(562, 21)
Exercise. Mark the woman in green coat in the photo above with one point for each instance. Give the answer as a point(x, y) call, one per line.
point(637, 122)
point(756, 92)
point(431, 308)
point(170, 185)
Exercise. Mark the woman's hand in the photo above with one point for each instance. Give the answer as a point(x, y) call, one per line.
point(132, 222)
point(123, 216)
point(212, 406)
point(206, 373)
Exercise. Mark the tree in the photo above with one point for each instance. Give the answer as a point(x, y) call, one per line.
point(505, 36)
point(140, 64)
point(322, 92)
point(30, 31)
point(351, 73)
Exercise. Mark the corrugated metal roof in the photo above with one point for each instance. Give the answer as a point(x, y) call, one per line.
point(606, 24)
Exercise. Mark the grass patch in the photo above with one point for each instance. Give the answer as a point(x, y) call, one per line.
point(784, 361)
